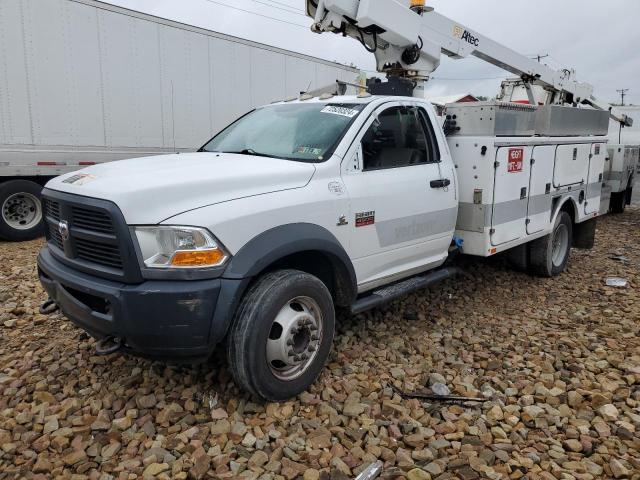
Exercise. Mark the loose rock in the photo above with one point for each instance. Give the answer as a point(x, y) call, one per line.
point(555, 362)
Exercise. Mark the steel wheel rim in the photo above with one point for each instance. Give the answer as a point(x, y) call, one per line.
point(294, 338)
point(560, 244)
point(22, 211)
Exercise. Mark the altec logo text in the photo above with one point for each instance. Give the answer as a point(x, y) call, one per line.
point(465, 35)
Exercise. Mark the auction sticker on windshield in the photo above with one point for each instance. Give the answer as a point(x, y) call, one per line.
point(343, 111)
point(309, 150)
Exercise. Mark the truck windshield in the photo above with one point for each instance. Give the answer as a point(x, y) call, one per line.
point(302, 132)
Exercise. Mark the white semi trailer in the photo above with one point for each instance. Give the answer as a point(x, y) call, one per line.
point(84, 82)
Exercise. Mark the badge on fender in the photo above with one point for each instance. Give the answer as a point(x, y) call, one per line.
point(364, 219)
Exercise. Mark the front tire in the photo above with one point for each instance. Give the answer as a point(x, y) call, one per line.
point(20, 210)
point(550, 254)
point(281, 336)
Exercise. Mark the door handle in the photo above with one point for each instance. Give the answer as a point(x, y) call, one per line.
point(523, 193)
point(440, 183)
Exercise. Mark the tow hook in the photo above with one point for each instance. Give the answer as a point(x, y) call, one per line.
point(49, 307)
point(108, 345)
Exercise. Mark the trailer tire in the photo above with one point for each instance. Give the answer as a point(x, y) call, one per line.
point(549, 255)
point(281, 335)
point(21, 215)
point(618, 202)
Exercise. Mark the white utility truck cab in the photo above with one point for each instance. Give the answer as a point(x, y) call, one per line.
point(295, 209)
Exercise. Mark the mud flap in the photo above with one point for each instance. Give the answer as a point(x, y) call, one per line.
point(518, 257)
point(584, 234)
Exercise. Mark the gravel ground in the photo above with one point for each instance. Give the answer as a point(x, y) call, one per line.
point(555, 364)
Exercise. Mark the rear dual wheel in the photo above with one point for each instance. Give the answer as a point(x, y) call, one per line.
point(282, 335)
point(620, 200)
point(549, 255)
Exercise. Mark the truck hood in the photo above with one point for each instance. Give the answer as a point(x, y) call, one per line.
point(151, 189)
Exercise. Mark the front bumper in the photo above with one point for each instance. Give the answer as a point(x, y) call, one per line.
point(159, 319)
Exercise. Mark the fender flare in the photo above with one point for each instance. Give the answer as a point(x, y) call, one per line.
point(561, 203)
point(280, 242)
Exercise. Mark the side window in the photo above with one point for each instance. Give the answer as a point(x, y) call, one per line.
point(397, 138)
point(432, 139)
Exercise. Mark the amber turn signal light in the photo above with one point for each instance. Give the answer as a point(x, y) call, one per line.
point(198, 258)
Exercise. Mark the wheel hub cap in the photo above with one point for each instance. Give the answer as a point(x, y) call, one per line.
point(22, 211)
point(294, 338)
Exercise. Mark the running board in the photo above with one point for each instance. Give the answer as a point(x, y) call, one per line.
point(393, 292)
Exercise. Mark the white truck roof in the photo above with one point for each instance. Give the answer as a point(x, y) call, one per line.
point(353, 99)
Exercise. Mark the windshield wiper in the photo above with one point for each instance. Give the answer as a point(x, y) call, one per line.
point(252, 152)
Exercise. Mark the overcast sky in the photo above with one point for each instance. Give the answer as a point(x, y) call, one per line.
point(601, 40)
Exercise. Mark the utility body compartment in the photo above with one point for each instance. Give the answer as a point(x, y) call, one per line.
point(511, 187)
point(620, 166)
point(619, 172)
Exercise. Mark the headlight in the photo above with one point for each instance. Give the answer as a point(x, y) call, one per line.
point(179, 247)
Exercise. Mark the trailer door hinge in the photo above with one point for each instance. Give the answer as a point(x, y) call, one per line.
point(527, 221)
point(496, 164)
point(492, 231)
point(533, 160)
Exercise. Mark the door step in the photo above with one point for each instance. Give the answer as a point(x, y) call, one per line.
point(392, 292)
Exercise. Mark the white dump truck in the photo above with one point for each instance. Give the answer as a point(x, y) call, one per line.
point(318, 202)
point(84, 82)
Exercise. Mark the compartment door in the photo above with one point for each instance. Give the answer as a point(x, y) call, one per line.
point(572, 165)
point(595, 178)
point(539, 206)
point(510, 194)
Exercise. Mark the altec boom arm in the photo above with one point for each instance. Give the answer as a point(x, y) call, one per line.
point(409, 42)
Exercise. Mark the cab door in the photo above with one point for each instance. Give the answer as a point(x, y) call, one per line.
point(402, 199)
